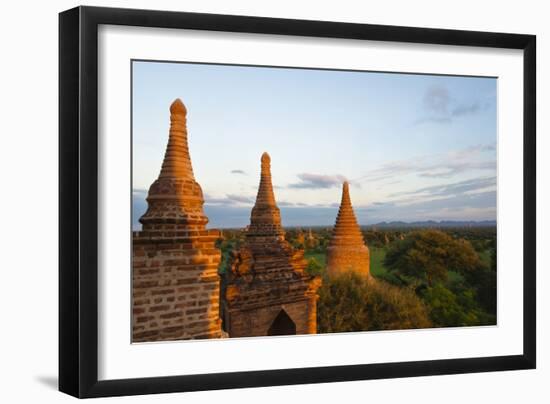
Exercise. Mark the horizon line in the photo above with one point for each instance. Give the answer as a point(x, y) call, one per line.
point(393, 223)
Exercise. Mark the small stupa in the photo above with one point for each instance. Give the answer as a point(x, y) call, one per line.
point(175, 283)
point(267, 290)
point(347, 250)
point(311, 242)
point(265, 218)
point(300, 237)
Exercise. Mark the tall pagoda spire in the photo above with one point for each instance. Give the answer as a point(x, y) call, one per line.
point(265, 218)
point(175, 248)
point(177, 162)
point(175, 199)
point(346, 229)
point(268, 290)
point(347, 249)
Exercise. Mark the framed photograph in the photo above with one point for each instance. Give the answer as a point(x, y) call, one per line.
point(250, 201)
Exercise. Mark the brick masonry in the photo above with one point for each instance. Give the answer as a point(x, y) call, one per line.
point(266, 279)
point(175, 281)
point(347, 250)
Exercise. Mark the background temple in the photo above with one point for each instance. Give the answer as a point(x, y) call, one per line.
point(175, 282)
point(267, 291)
point(347, 250)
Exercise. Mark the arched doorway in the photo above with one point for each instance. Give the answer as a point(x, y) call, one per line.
point(282, 325)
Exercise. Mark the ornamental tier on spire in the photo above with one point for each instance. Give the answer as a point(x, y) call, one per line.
point(175, 199)
point(347, 250)
point(265, 218)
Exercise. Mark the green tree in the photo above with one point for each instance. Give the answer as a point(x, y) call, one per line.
point(447, 309)
point(426, 256)
point(349, 302)
point(455, 308)
point(494, 259)
point(313, 267)
point(484, 282)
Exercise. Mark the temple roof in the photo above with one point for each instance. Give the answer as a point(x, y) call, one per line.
point(265, 218)
point(175, 197)
point(177, 162)
point(265, 196)
point(346, 231)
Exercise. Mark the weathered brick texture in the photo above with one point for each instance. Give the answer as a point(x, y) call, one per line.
point(347, 250)
point(267, 277)
point(175, 282)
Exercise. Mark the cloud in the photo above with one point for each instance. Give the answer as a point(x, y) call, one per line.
point(453, 205)
point(466, 187)
point(285, 204)
point(463, 200)
point(376, 206)
point(433, 119)
point(473, 199)
point(441, 108)
point(466, 109)
point(238, 172)
point(461, 212)
point(456, 168)
point(474, 149)
point(240, 198)
point(437, 99)
point(229, 200)
point(487, 147)
point(444, 165)
point(318, 181)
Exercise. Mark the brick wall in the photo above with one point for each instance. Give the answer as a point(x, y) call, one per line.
point(342, 258)
point(256, 322)
point(175, 286)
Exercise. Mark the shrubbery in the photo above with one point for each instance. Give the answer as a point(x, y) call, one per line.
point(428, 255)
point(424, 261)
point(350, 302)
point(313, 267)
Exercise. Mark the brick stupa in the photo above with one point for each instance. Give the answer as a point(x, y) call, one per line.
point(268, 291)
point(347, 250)
point(175, 282)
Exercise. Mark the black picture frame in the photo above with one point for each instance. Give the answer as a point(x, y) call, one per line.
point(78, 201)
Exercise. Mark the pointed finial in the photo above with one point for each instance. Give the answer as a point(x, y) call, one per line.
point(266, 163)
point(178, 108)
point(265, 218)
point(345, 193)
point(177, 162)
point(345, 187)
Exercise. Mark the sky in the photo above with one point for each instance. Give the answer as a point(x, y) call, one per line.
point(413, 147)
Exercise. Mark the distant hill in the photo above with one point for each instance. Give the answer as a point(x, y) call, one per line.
point(434, 223)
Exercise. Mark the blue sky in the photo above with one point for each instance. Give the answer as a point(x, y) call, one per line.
point(414, 147)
